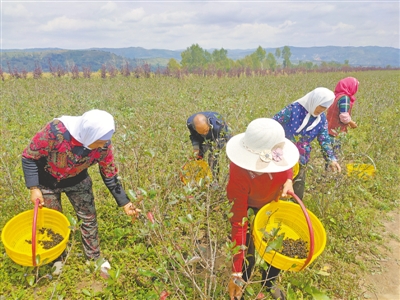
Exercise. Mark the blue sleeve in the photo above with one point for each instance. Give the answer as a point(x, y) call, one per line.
point(325, 142)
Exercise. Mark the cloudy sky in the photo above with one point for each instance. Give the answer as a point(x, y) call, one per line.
point(176, 25)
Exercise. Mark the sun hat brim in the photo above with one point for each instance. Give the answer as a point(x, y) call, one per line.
point(245, 159)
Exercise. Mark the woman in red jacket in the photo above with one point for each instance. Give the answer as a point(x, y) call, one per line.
point(260, 172)
point(339, 113)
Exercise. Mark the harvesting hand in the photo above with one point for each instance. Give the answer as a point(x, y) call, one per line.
point(352, 124)
point(334, 166)
point(131, 210)
point(234, 290)
point(36, 193)
point(287, 187)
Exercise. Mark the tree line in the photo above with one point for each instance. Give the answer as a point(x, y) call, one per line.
point(195, 58)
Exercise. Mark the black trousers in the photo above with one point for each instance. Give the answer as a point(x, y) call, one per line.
point(299, 182)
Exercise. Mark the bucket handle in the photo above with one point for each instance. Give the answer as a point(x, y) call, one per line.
point(310, 228)
point(35, 214)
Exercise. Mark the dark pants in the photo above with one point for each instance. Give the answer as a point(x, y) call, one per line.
point(269, 275)
point(82, 200)
point(299, 182)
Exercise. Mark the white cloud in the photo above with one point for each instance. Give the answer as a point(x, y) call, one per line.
point(109, 7)
point(66, 24)
point(133, 15)
point(15, 11)
point(178, 25)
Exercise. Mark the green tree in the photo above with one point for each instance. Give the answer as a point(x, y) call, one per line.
point(286, 57)
point(278, 52)
point(260, 54)
point(220, 59)
point(219, 55)
point(173, 65)
point(195, 57)
point(271, 62)
point(254, 60)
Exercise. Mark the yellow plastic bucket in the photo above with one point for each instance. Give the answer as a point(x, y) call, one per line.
point(296, 169)
point(17, 236)
point(363, 171)
point(289, 217)
point(194, 171)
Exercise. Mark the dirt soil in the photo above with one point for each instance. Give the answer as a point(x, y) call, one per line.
point(384, 281)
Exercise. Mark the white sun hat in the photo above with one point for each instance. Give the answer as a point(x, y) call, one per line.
point(263, 148)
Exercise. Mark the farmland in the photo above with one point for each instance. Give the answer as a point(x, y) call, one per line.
point(152, 144)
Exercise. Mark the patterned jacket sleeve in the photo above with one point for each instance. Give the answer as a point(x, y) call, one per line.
point(283, 117)
point(37, 148)
point(325, 142)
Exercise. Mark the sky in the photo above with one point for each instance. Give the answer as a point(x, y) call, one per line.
point(176, 25)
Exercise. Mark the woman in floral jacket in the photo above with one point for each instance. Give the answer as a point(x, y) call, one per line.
point(303, 121)
point(56, 161)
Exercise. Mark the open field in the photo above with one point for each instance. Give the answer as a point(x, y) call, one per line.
point(152, 144)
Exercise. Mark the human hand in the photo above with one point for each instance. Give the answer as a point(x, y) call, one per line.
point(36, 193)
point(334, 166)
point(352, 124)
point(235, 287)
point(287, 187)
point(131, 210)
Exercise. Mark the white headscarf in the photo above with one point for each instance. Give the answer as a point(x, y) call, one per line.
point(90, 127)
point(320, 96)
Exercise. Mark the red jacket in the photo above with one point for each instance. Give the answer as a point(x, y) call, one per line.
point(246, 189)
point(332, 116)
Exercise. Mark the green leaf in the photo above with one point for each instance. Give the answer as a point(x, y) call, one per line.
point(275, 244)
point(190, 217)
point(323, 273)
point(72, 221)
point(318, 295)
point(146, 273)
point(86, 292)
point(37, 259)
point(30, 279)
point(143, 191)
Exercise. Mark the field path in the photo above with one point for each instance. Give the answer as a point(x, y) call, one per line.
point(384, 282)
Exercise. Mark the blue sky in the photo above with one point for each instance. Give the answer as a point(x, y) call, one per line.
point(176, 25)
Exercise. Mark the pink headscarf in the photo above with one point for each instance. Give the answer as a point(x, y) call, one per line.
point(347, 86)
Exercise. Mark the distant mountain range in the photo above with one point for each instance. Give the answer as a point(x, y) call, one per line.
point(26, 59)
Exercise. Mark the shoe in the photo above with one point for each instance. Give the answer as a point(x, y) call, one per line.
point(58, 265)
point(277, 293)
point(105, 266)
